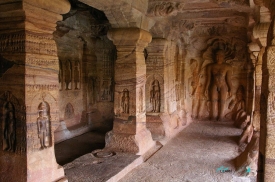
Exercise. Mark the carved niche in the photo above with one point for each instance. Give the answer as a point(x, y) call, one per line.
point(106, 55)
point(69, 111)
point(12, 131)
point(106, 79)
point(154, 94)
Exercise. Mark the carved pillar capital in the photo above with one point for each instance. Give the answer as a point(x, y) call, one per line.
point(58, 7)
point(126, 39)
point(260, 31)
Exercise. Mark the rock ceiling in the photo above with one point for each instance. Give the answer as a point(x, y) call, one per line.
point(164, 18)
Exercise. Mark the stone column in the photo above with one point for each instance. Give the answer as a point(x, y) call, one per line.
point(256, 58)
point(268, 107)
point(29, 90)
point(161, 70)
point(129, 132)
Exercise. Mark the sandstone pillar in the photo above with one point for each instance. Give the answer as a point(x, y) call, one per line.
point(268, 107)
point(29, 90)
point(162, 76)
point(129, 132)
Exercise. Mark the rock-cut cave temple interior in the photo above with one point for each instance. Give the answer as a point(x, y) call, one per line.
point(137, 79)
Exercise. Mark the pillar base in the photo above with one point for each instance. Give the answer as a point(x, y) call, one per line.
point(164, 126)
point(138, 143)
point(42, 167)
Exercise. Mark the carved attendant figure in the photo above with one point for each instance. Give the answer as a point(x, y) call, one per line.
point(43, 122)
point(219, 84)
point(197, 91)
point(9, 129)
point(155, 96)
point(237, 105)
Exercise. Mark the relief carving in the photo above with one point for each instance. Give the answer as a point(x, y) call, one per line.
point(141, 99)
point(27, 41)
point(9, 125)
point(60, 76)
point(155, 96)
point(77, 75)
point(237, 105)
point(44, 125)
point(125, 101)
point(68, 75)
point(69, 111)
point(92, 90)
point(218, 85)
point(12, 129)
point(105, 90)
point(197, 89)
point(163, 9)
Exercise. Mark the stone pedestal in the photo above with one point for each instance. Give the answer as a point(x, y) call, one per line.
point(29, 90)
point(129, 133)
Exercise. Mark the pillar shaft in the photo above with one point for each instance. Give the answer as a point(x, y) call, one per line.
point(129, 133)
point(268, 107)
point(29, 90)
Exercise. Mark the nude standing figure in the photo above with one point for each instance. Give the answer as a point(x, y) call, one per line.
point(219, 85)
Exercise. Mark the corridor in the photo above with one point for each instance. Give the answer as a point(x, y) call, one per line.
point(194, 155)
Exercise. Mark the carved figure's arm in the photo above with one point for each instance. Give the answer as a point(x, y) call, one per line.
point(208, 79)
point(228, 80)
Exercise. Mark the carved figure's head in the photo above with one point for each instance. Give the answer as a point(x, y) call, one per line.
point(43, 109)
point(219, 56)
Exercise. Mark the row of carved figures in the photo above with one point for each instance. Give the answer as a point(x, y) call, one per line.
point(10, 124)
point(212, 84)
point(69, 75)
point(155, 99)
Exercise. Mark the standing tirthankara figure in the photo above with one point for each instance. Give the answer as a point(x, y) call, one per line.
point(43, 122)
point(218, 84)
point(125, 101)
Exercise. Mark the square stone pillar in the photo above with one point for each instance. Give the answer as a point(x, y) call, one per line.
point(163, 116)
point(268, 108)
point(29, 90)
point(129, 132)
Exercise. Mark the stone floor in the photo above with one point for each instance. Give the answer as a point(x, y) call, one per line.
point(194, 155)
